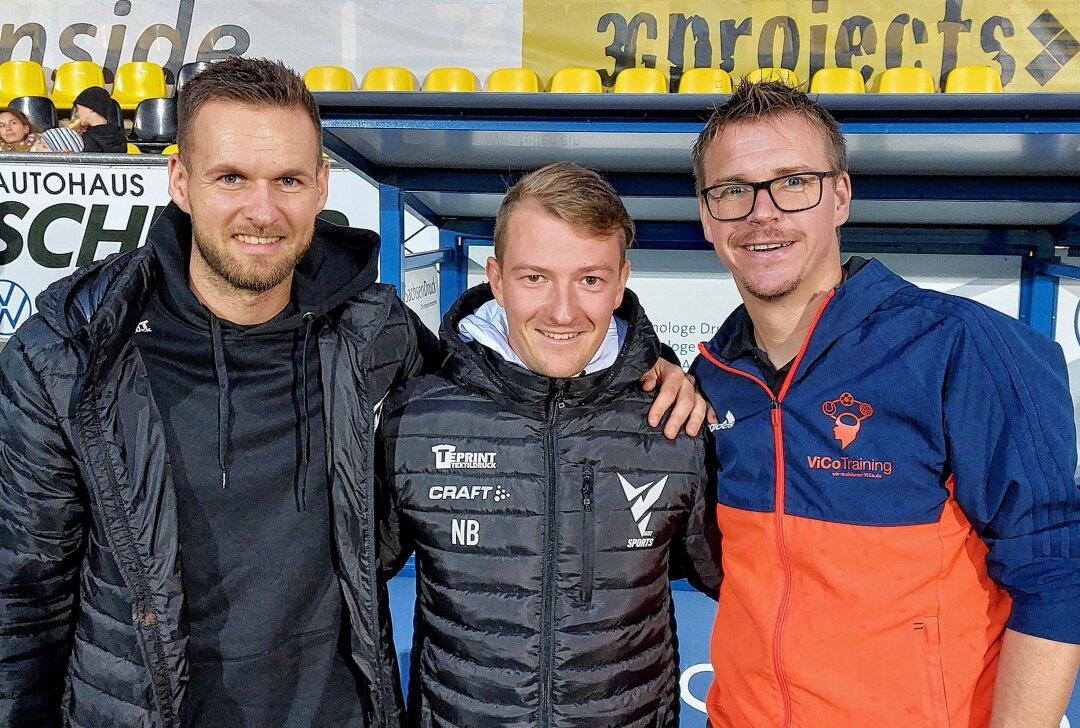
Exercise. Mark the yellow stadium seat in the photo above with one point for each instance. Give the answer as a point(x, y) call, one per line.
point(705, 81)
point(905, 80)
point(640, 81)
point(837, 81)
point(389, 78)
point(132, 149)
point(171, 149)
point(973, 80)
point(783, 75)
point(329, 78)
point(70, 80)
point(513, 79)
point(451, 78)
point(21, 78)
point(138, 80)
point(576, 81)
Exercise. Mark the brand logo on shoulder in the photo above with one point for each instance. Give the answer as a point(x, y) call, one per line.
point(727, 424)
point(144, 327)
point(642, 499)
point(848, 414)
point(447, 457)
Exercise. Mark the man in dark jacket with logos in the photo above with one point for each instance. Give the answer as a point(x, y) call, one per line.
point(186, 503)
point(544, 513)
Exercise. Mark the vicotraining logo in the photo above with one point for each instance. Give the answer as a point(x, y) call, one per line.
point(15, 307)
point(447, 457)
point(847, 414)
point(641, 499)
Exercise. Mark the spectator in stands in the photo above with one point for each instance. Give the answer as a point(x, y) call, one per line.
point(17, 134)
point(900, 524)
point(91, 113)
point(58, 140)
point(545, 514)
point(185, 523)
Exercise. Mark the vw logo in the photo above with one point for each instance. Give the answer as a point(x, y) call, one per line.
point(15, 307)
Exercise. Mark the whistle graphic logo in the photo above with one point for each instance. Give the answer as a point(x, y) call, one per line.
point(847, 414)
point(641, 499)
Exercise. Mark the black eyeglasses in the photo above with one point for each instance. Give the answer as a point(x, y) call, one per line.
point(791, 193)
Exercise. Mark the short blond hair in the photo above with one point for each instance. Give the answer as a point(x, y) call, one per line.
point(576, 195)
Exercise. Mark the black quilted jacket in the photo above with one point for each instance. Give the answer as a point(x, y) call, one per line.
point(91, 625)
point(545, 515)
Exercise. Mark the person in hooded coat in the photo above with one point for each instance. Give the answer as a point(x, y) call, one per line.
point(91, 112)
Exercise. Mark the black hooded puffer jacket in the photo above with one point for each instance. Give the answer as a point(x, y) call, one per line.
point(92, 632)
point(545, 515)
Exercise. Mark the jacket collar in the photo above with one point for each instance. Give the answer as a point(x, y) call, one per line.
point(867, 287)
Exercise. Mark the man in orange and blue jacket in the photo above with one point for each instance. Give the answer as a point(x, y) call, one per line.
point(901, 528)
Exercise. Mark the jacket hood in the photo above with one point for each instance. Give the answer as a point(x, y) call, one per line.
point(473, 365)
point(103, 303)
point(340, 263)
point(862, 293)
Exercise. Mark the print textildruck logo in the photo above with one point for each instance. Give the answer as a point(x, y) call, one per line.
point(641, 499)
point(447, 457)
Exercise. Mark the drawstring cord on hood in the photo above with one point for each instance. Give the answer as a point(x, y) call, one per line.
point(224, 417)
point(305, 427)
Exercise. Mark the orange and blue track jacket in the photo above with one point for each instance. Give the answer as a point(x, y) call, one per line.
point(906, 495)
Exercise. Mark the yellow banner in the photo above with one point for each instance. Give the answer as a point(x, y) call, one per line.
point(1032, 43)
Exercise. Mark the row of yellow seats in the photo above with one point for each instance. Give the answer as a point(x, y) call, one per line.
point(965, 79)
point(133, 82)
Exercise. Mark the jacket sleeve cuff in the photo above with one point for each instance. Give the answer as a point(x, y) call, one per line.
point(1057, 620)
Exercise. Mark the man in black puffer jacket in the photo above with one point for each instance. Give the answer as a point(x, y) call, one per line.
point(186, 509)
point(545, 514)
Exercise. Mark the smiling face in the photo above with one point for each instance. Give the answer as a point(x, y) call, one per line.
point(559, 288)
point(253, 182)
point(774, 254)
point(12, 130)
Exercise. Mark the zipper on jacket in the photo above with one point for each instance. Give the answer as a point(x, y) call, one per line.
point(144, 616)
point(776, 420)
point(547, 619)
point(588, 526)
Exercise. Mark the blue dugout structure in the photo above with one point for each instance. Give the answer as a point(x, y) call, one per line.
point(980, 174)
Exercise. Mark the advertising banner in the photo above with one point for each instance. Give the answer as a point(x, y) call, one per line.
point(1031, 43)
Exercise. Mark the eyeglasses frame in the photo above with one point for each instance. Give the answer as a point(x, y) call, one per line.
point(767, 186)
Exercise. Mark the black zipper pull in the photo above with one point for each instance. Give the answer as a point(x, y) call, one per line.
point(586, 492)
